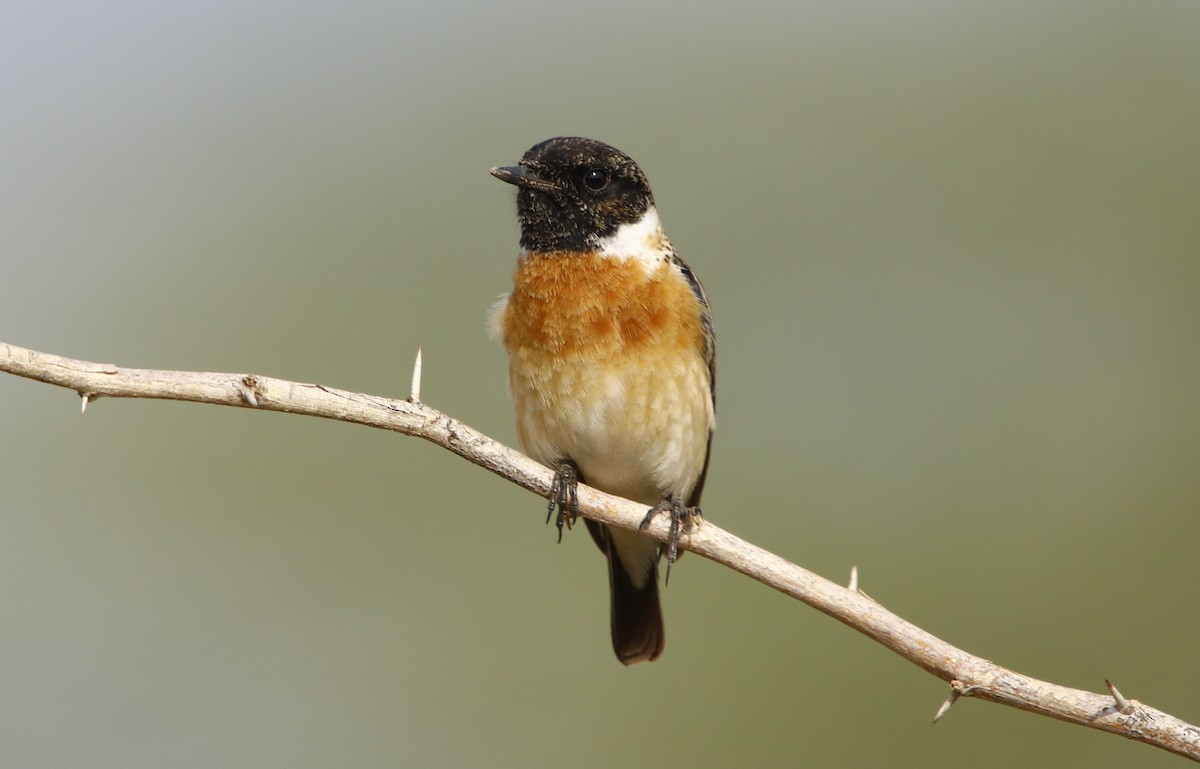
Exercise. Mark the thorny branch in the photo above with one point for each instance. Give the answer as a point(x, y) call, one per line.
point(967, 675)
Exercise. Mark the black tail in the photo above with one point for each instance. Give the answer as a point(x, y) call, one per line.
point(637, 625)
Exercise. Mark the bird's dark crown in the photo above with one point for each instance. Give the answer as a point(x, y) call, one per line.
point(573, 192)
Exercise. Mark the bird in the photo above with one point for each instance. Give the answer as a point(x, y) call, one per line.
point(611, 362)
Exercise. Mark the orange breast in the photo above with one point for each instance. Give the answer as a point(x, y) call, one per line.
point(581, 306)
point(607, 367)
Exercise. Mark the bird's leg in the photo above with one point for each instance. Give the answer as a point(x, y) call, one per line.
point(682, 518)
point(564, 495)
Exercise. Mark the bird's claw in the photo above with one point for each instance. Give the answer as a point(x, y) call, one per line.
point(682, 517)
point(564, 495)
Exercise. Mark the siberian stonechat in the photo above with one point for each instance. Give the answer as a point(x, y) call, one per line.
point(611, 360)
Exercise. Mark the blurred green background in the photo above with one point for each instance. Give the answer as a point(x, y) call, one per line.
point(954, 254)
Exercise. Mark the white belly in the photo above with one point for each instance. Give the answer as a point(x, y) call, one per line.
point(639, 434)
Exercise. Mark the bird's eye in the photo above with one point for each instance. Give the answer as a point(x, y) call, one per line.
point(595, 179)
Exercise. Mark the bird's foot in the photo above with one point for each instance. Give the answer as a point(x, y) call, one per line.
point(682, 520)
point(564, 495)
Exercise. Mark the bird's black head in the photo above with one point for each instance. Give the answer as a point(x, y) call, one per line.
point(573, 191)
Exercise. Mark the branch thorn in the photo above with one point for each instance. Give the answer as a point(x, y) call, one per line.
point(84, 398)
point(957, 689)
point(414, 393)
point(249, 390)
point(853, 585)
point(1123, 705)
point(953, 698)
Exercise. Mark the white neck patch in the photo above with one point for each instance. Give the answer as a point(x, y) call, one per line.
point(643, 241)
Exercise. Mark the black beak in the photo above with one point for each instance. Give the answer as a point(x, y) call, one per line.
point(522, 176)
